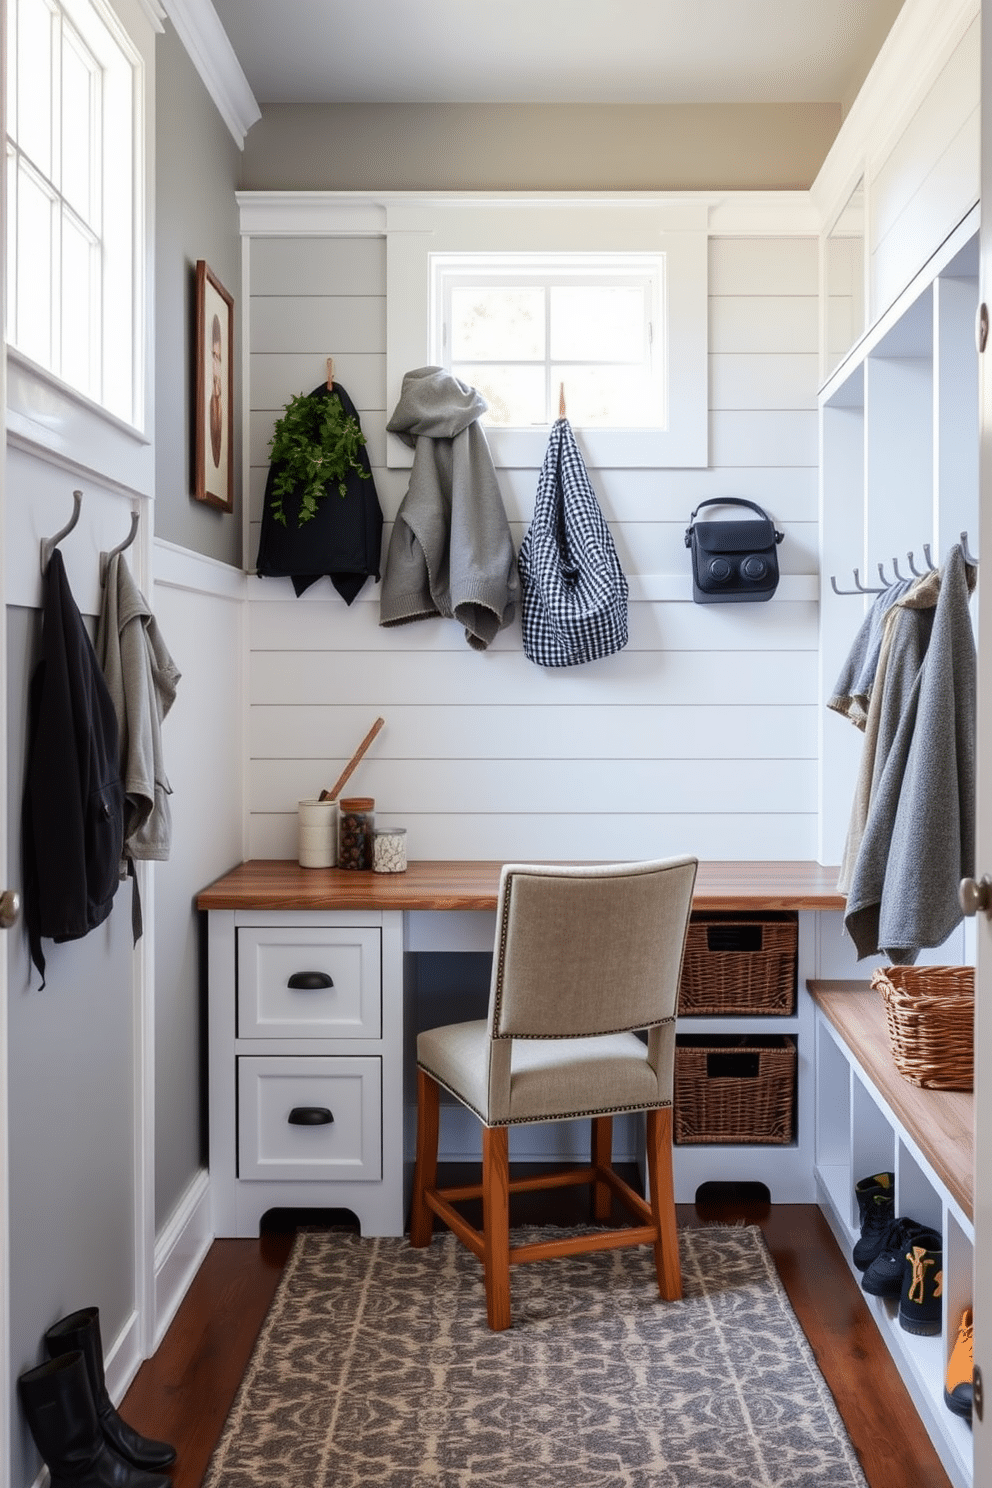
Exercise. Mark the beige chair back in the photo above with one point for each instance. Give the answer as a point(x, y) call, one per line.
point(584, 951)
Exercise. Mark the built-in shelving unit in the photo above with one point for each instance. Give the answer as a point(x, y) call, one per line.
point(869, 1120)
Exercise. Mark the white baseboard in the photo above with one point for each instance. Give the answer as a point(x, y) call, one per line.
point(179, 1252)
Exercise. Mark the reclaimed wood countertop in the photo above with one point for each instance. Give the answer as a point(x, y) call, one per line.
point(941, 1122)
point(277, 883)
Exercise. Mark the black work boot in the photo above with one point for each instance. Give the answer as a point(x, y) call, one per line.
point(884, 1275)
point(866, 1188)
point(81, 1330)
point(61, 1414)
point(880, 1211)
point(923, 1285)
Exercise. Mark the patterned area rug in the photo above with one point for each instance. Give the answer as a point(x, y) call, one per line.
point(375, 1367)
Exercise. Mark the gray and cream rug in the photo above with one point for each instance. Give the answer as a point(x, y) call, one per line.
point(375, 1367)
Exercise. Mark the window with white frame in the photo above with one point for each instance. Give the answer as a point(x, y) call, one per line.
point(525, 328)
point(71, 197)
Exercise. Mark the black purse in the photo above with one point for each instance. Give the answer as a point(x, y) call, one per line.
point(733, 562)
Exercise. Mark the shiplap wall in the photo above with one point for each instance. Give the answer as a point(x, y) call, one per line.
point(700, 736)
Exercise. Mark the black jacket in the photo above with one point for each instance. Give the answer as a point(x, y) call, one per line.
point(343, 540)
point(73, 813)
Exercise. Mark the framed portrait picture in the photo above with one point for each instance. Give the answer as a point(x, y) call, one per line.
point(214, 455)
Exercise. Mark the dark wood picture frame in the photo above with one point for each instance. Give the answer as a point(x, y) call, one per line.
point(214, 442)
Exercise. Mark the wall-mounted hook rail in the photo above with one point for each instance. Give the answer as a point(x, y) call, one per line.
point(859, 587)
point(120, 548)
point(49, 544)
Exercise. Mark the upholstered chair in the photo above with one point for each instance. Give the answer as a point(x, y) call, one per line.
point(586, 959)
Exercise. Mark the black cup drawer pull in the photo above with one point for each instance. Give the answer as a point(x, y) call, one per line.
point(310, 981)
point(310, 1116)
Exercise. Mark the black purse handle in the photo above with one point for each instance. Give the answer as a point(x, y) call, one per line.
point(730, 501)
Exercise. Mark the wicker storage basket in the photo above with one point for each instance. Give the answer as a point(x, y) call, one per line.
point(738, 1089)
point(930, 1012)
point(738, 965)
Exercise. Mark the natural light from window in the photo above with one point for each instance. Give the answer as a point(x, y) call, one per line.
point(70, 197)
point(521, 327)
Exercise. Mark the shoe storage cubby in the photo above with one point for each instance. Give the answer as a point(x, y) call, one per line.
point(870, 1120)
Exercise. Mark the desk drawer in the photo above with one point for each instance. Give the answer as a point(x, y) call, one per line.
point(320, 983)
point(310, 1118)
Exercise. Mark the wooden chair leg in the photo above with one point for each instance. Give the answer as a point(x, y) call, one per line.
point(662, 1184)
point(602, 1157)
point(496, 1224)
point(425, 1171)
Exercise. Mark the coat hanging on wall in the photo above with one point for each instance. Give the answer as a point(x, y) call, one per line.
point(341, 536)
point(574, 592)
point(73, 810)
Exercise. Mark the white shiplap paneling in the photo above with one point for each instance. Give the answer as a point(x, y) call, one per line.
point(700, 735)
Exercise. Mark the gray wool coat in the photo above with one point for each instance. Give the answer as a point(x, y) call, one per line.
point(451, 551)
point(919, 837)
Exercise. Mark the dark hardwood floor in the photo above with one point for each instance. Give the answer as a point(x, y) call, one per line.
point(183, 1394)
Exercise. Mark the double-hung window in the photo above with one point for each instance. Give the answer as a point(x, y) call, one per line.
point(71, 197)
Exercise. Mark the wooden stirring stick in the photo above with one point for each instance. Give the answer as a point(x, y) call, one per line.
point(343, 778)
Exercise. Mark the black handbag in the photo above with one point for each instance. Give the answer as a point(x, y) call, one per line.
point(733, 562)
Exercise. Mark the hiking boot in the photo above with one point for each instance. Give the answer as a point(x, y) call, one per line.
point(866, 1188)
point(958, 1382)
point(883, 1276)
point(879, 1213)
point(922, 1284)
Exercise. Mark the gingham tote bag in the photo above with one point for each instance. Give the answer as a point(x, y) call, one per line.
point(573, 590)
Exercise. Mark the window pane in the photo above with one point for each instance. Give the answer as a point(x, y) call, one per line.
point(608, 397)
point(34, 269)
point(77, 126)
point(515, 394)
point(497, 323)
point(34, 95)
point(598, 323)
point(78, 317)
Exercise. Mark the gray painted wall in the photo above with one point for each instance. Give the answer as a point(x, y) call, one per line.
point(197, 169)
point(538, 147)
point(196, 218)
point(72, 1117)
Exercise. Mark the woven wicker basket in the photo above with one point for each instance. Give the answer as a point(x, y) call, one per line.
point(739, 966)
point(740, 1091)
point(930, 1012)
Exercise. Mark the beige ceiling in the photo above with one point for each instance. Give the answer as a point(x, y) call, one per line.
point(556, 51)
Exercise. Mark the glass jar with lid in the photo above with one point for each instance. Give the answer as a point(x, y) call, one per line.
point(356, 827)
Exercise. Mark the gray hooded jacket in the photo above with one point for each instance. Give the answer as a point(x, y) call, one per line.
point(450, 552)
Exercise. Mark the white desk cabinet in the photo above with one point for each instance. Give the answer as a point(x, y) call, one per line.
point(306, 1040)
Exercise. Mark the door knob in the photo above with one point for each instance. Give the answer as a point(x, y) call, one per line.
point(974, 896)
point(10, 908)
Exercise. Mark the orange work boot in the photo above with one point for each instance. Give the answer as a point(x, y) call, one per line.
point(958, 1387)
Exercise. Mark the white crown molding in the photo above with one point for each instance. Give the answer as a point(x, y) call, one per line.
point(198, 27)
point(374, 213)
point(922, 39)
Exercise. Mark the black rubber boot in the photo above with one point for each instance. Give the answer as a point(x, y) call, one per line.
point(81, 1330)
point(60, 1411)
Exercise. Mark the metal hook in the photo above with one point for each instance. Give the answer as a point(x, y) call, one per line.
point(968, 558)
point(881, 574)
point(931, 566)
point(833, 585)
point(916, 572)
point(863, 588)
point(106, 557)
point(49, 544)
point(895, 570)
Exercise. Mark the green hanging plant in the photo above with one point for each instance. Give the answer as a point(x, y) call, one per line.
point(314, 443)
